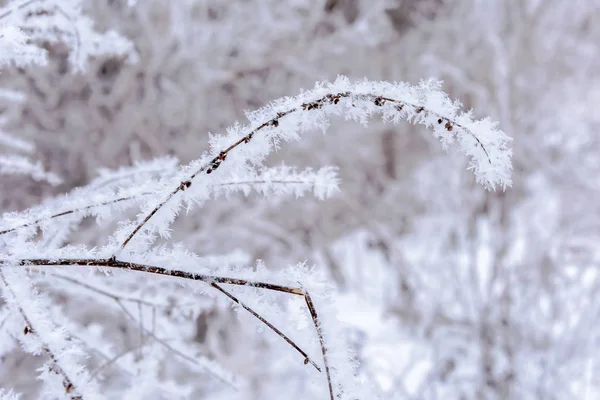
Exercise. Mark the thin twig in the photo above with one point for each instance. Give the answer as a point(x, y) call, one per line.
point(63, 213)
point(29, 329)
point(133, 197)
point(264, 321)
point(111, 361)
point(107, 293)
point(330, 98)
point(315, 318)
point(21, 6)
point(125, 265)
point(210, 280)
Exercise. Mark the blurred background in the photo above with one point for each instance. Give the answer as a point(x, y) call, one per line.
point(450, 291)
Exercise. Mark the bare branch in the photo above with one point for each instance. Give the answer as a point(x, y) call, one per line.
point(264, 321)
point(315, 318)
point(125, 265)
point(212, 280)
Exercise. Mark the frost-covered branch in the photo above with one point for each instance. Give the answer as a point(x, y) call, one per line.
point(213, 281)
point(243, 150)
point(278, 181)
point(17, 165)
point(286, 118)
point(125, 265)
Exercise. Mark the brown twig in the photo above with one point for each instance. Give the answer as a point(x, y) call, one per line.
point(30, 330)
point(208, 168)
point(125, 265)
point(315, 318)
point(212, 280)
point(264, 321)
point(330, 98)
point(119, 300)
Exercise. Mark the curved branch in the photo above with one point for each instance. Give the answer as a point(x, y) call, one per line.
point(328, 99)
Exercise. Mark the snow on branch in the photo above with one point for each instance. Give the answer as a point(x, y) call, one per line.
point(286, 118)
point(160, 190)
point(26, 23)
point(127, 187)
point(213, 281)
point(18, 165)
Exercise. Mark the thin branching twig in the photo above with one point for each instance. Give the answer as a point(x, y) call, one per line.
point(120, 299)
point(307, 359)
point(134, 197)
point(212, 280)
point(67, 212)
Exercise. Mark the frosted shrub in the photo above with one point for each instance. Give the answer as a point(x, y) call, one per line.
point(160, 287)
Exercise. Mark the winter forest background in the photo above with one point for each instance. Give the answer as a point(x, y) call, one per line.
point(428, 281)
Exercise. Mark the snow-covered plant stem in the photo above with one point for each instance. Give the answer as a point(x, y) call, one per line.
point(242, 150)
point(213, 281)
point(423, 104)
